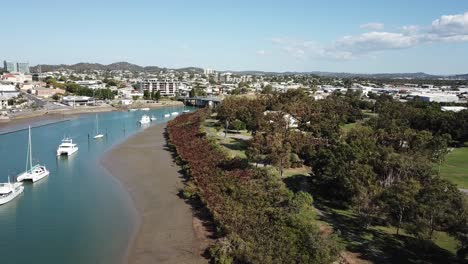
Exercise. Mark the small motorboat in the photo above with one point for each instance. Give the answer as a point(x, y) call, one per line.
point(167, 115)
point(175, 113)
point(153, 118)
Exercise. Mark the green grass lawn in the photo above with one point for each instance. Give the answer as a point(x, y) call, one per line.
point(455, 167)
point(347, 127)
point(379, 237)
point(303, 171)
point(234, 147)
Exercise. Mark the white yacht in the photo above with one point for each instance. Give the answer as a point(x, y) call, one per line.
point(67, 147)
point(174, 113)
point(9, 191)
point(98, 135)
point(144, 120)
point(132, 109)
point(153, 118)
point(167, 115)
point(186, 111)
point(32, 173)
point(145, 109)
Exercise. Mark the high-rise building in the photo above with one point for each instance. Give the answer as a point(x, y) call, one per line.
point(208, 71)
point(9, 66)
point(165, 87)
point(23, 67)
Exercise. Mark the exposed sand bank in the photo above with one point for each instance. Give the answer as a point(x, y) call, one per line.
point(168, 232)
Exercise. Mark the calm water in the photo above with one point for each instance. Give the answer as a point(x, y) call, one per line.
point(79, 213)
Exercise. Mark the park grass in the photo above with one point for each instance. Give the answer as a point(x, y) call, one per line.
point(455, 167)
point(233, 147)
point(347, 219)
point(369, 113)
point(347, 127)
point(302, 171)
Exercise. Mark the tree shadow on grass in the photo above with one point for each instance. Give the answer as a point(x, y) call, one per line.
point(374, 245)
point(298, 183)
point(379, 246)
point(237, 144)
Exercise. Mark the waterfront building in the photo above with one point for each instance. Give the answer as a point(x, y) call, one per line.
point(8, 91)
point(78, 100)
point(9, 66)
point(167, 88)
point(47, 92)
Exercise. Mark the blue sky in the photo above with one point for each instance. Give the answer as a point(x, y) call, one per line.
point(334, 35)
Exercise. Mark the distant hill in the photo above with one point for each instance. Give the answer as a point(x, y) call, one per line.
point(123, 66)
point(126, 66)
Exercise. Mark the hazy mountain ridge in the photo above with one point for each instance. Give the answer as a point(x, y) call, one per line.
point(126, 66)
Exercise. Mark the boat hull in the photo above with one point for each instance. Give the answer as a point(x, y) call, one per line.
point(66, 152)
point(8, 198)
point(32, 175)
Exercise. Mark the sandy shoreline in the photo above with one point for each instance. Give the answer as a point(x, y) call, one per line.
point(146, 169)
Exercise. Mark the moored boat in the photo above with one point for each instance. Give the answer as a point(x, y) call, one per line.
point(144, 120)
point(9, 191)
point(32, 173)
point(67, 147)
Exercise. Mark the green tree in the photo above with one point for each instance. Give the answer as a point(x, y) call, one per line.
point(399, 199)
point(55, 97)
point(146, 95)
point(157, 96)
point(238, 125)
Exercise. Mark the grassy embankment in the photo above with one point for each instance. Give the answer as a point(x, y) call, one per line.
point(455, 167)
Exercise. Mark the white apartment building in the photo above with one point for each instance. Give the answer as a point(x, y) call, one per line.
point(8, 91)
point(167, 88)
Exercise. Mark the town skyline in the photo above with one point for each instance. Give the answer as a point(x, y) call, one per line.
point(336, 36)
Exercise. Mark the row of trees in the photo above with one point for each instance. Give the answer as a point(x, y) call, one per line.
point(154, 95)
point(259, 220)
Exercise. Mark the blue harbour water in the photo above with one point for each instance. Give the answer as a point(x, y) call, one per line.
point(79, 213)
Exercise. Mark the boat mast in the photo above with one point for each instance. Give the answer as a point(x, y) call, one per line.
point(97, 125)
point(29, 152)
point(30, 149)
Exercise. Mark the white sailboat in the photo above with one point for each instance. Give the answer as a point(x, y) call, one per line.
point(9, 191)
point(32, 173)
point(98, 135)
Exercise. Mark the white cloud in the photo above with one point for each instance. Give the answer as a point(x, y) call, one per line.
point(373, 26)
point(374, 41)
point(446, 29)
point(261, 52)
point(451, 25)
